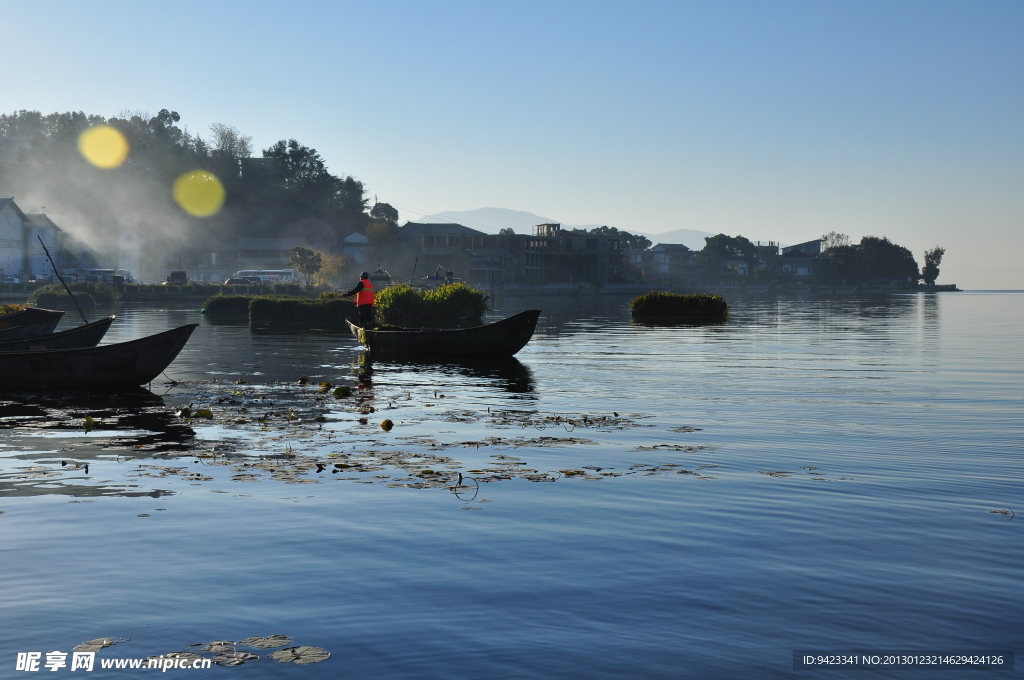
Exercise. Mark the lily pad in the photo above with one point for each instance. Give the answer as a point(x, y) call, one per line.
point(95, 645)
point(234, 658)
point(301, 655)
point(268, 642)
point(219, 646)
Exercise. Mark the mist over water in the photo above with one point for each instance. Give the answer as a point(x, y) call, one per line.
point(142, 188)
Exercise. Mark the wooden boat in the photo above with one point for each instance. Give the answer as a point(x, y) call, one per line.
point(500, 339)
point(28, 323)
point(88, 335)
point(124, 364)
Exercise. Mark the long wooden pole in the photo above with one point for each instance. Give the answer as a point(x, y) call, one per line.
point(61, 278)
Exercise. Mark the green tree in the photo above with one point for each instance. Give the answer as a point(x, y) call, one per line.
point(229, 143)
point(873, 259)
point(834, 239)
point(303, 168)
point(932, 260)
point(384, 212)
point(720, 248)
point(307, 262)
point(883, 259)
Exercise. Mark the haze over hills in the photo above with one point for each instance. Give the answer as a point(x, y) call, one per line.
point(492, 220)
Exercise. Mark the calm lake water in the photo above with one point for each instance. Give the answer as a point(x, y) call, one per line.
point(636, 502)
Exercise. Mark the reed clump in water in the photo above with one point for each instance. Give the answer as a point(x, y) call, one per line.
point(228, 305)
point(330, 310)
point(699, 306)
point(86, 293)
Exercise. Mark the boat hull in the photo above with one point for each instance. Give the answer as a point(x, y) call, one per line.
point(88, 335)
point(29, 323)
point(500, 339)
point(125, 364)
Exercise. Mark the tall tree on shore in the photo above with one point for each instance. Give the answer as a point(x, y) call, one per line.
point(932, 260)
point(303, 169)
point(307, 262)
point(720, 248)
point(229, 142)
point(834, 239)
point(384, 212)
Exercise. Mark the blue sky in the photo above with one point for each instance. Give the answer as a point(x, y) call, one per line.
point(775, 120)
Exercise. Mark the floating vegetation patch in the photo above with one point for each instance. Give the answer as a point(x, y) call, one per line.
point(685, 428)
point(818, 476)
point(775, 473)
point(269, 642)
point(1005, 512)
point(209, 432)
point(301, 655)
point(96, 644)
point(226, 652)
point(234, 658)
point(669, 307)
point(218, 646)
point(673, 447)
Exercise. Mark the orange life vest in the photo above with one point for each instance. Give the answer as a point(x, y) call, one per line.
point(365, 296)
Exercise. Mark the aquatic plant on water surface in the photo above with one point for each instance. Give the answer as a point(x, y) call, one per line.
point(702, 306)
point(86, 294)
point(228, 305)
point(328, 310)
point(449, 306)
point(237, 304)
point(100, 293)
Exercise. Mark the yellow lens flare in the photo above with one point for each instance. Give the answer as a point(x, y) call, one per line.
point(103, 146)
point(199, 193)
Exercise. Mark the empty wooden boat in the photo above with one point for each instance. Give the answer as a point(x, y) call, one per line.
point(29, 323)
point(124, 364)
point(88, 335)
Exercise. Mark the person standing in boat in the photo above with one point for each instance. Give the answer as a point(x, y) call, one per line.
point(364, 300)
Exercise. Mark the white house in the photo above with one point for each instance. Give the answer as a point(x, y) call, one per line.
point(20, 252)
point(356, 246)
point(671, 259)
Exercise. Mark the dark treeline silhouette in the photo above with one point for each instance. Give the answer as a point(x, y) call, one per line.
point(872, 259)
point(838, 262)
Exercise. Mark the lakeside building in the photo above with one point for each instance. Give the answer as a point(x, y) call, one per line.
point(21, 256)
point(356, 246)
point(548, 256)
point(261, 253)
point(808, 248)
point(666, 263)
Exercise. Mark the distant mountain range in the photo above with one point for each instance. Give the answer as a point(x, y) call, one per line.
point(493, 220)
